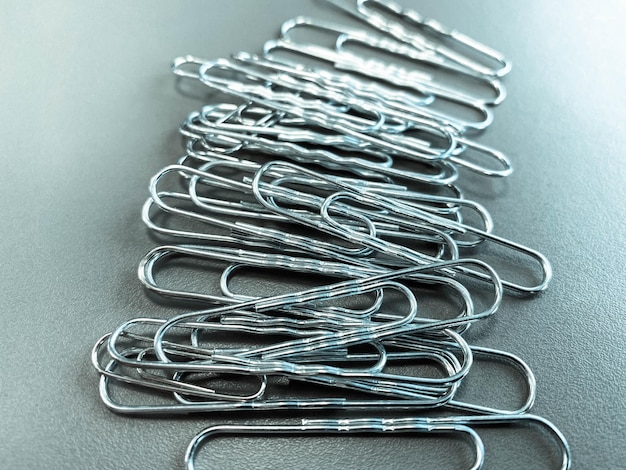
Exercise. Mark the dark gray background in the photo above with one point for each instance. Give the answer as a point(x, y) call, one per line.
point(89, 112)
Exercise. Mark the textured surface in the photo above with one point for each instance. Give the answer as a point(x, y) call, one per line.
point(89, 113)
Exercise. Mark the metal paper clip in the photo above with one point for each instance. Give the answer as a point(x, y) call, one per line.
point(407, 27)
point(400, 142)
point(242, 228)
point(330, 151)
point(336, 427)
point(400, 78)
point(344, 37)
point(316, 112)
point(346, 192)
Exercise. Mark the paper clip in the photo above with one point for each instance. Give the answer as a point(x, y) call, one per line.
point(336, 427)
point(407, 25)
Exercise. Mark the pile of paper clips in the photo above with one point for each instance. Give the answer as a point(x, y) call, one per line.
point(365, 195)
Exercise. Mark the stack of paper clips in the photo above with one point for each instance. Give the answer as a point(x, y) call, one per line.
point(339, 166)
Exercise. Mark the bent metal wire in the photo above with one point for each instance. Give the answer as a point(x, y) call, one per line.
point(388, 129)
point(340, 55)
point(369, 202)
point(338, 427)
point(406, 26)
point(462, 425)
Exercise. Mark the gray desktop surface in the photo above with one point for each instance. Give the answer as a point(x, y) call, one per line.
point(89, 112)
